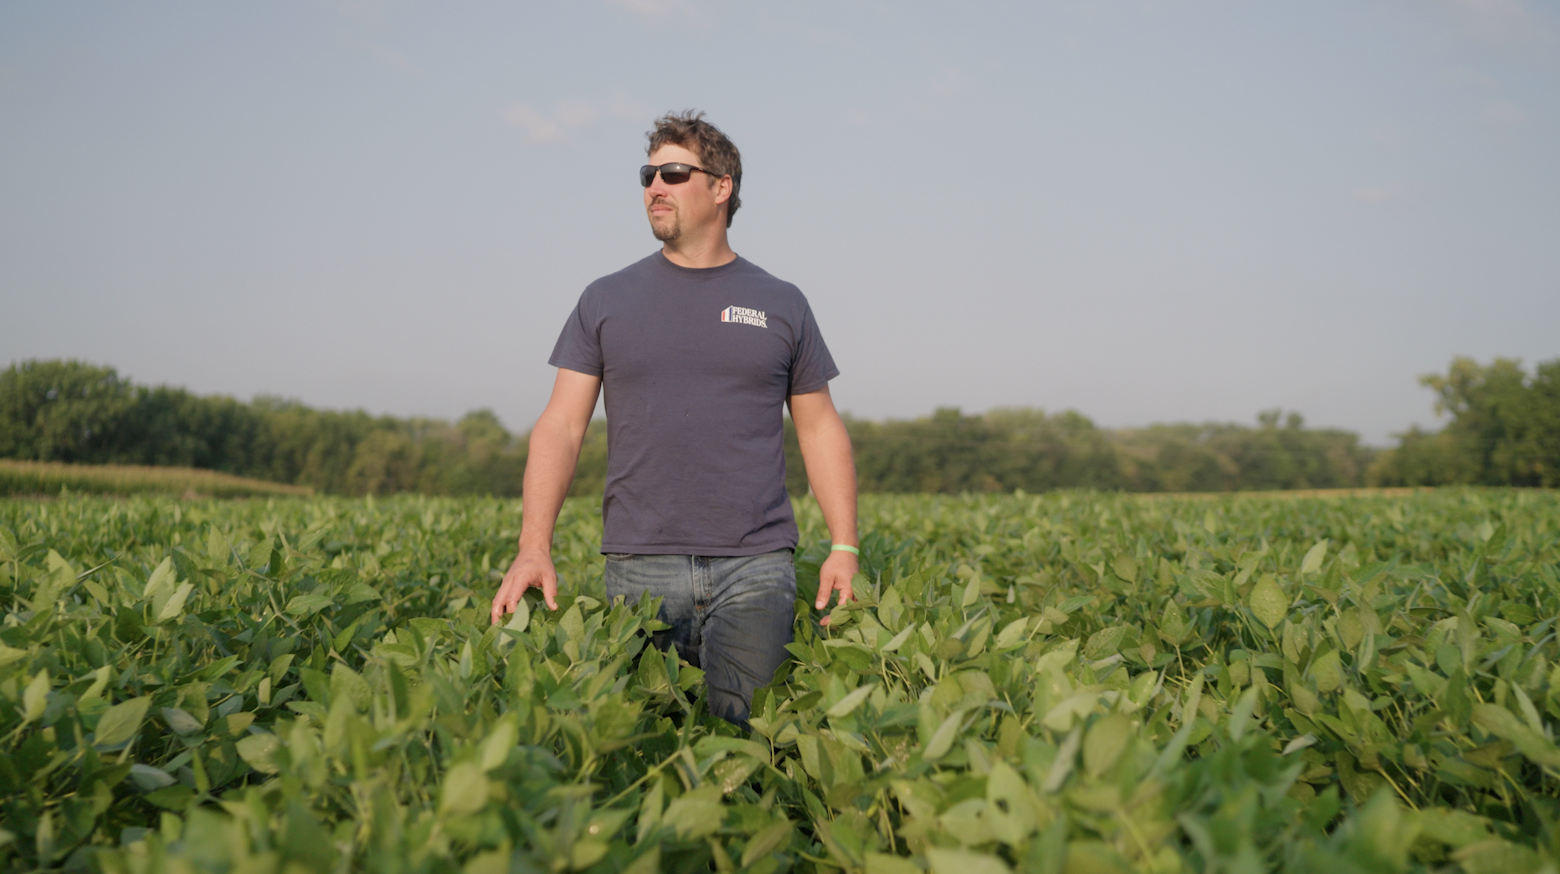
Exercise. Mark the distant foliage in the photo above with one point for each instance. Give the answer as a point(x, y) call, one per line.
point(76, 412)
point(1009, 449)
point(64, 411)
point(1003, 450)
point(1505, 429)
point(1217, 457)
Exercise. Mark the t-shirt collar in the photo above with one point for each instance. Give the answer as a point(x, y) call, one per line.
point(695, 272)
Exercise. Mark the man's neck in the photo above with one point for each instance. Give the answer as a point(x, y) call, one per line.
point(699, 254)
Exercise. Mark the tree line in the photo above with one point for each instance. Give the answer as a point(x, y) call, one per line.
point(1504, 430)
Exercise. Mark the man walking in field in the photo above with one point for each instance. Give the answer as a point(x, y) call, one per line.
point(698, 352)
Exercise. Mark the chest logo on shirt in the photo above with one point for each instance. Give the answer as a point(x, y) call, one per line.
point(744, 316)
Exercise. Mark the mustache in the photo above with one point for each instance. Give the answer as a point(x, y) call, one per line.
point(661, 201)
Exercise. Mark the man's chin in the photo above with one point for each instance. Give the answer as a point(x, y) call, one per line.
point(667, 233)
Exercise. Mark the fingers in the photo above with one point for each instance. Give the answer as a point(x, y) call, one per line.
point(550, 590)
point(846, 593)
point(833, 581)
point(825, 585)
point(513, 589)
point(508, 596)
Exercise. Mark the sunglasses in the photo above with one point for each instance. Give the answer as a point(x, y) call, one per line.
point(671, 174)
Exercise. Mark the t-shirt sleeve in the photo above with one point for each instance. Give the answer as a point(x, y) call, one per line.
point(812, 366)
point(579, 345)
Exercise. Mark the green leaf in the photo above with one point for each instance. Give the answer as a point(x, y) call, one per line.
point(175, 603)
point(122, 722)
point(1106, 741)
point(1454, 828)
point(883, 863)
point(1506, 725)
point(942, 738)
point(35, 699)
point(1010, 809)
point(357, 593)
point(1240, 715)
point(1105, 642)
point(1455, 700)
point(1126, 567)
point(149, 778)
point(573, 623)
point(971, 591)
point(899, 639)
point(259, 751)
point(521, 618)
point(847, 705)
point(9, 654)
point(176, 797)
point(1268, 602)
point(465, 790)
point(161, 576)
point(349, 684)
point(650, 808)
point(697, 814)
point(214, 669)
point(769, 839)
point(59, 578)
point(217, 548)
point(308, 605)
point(1496, 856)
point(1075, 603)
point(181, 721)
point(500, 742)
point(964, 862)
point(1314, 558)
point(1172, 624)
point(1011, 634)
point(1327, 669)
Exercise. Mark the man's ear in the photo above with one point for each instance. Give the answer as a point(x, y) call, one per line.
point(723, 189)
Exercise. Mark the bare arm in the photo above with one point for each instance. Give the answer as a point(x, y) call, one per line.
point(831, 471)
point(549, 468)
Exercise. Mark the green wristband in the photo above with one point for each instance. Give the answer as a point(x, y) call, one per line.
point(850, 549)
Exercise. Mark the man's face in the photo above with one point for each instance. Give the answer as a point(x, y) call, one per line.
point(675, 210)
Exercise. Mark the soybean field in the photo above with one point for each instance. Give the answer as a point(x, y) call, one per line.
point(1069, 682)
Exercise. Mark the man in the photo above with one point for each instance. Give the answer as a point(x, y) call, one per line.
point(698, 352)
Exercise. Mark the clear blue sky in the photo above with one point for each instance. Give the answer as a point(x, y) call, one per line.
point(1145, 211)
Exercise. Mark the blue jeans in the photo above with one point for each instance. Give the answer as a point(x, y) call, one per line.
point(729, 615)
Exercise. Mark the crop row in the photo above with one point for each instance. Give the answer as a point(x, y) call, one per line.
point(38, 478)
point(1068, 682)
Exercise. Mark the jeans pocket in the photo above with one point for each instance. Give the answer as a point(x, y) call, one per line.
point(618, 556)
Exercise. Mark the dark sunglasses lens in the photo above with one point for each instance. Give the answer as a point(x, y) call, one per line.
point(646, 175)
point(675, 176)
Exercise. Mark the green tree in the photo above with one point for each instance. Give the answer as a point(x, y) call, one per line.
point(486, 457)
point(383, 463)
point(62, 411)
point(1423, 458)
point(1505, 425)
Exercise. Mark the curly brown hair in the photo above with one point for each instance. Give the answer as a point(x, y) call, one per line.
point(718, 156)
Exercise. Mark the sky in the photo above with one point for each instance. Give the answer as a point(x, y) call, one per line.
point(1142, 210)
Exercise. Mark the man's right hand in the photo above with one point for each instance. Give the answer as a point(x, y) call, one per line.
point(527, 571)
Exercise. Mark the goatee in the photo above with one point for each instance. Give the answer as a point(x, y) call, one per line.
point(667, 233)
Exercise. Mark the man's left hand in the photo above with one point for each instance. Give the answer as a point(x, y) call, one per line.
point(835, 576)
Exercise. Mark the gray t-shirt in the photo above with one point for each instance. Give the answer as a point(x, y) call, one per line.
point(696, 365)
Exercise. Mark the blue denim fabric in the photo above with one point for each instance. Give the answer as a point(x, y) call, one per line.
point(730, 615)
